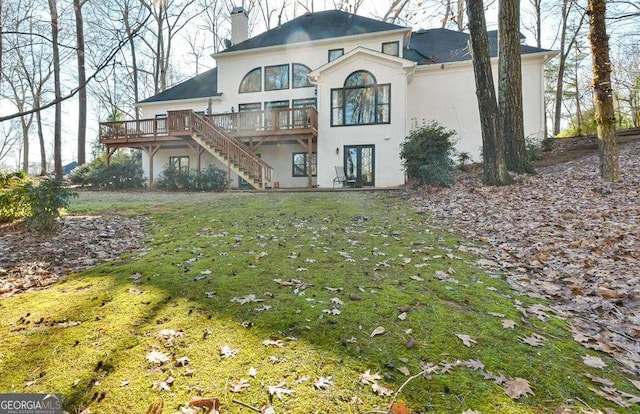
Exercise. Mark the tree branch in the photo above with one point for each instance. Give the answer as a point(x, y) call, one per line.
point(36, 35)
point(74, 91)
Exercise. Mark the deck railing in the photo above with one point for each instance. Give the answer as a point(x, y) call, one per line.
point(238, 153)
point(133, 129)
point(269, 121)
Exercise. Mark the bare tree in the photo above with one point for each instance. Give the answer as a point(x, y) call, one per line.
point(510, 87)
point(493, 150)
point(567, 39)
point(603, 93)
point(82, 79)
point(57, 127)
point(8, 139)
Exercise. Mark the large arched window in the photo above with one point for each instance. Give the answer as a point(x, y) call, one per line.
point(361, 101)
point(300, 78)
point(252, 81)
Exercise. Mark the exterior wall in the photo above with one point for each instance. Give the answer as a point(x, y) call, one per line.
point(385, 137)
point(233, 67)
point(161, 160)
point(447, 94)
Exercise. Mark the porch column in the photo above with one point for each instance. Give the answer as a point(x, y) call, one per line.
point(151, 150)
point(310, 158)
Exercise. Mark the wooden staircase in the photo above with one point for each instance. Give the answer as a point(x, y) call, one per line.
point(229, 150)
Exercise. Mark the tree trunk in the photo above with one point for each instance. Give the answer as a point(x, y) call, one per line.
point(557, 115)
point(493, 153)
point(82, 92)
point(134, 60)
point(57, 126)
point(510, 87)
point(43, 153)
point(603, 94)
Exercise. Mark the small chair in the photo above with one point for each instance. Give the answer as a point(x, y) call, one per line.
point(342, 178)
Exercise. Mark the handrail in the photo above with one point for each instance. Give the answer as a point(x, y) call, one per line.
point(237, 152)
point(267, 120)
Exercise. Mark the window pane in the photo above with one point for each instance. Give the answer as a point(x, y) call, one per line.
point(336, 107)
point(391, 48)
point(300, 79)
point(252, 82)
point(360, 107)
point(360, 78)
point(335, 54)
point(276, 77)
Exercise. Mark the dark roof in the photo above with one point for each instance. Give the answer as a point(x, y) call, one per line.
point(201, 86)
point(443, 45)
point(315, 26)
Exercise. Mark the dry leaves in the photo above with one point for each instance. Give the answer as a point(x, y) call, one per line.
point(279, 390)
point(378, 331)
point(583, 253)
point(517, 387)
point(467, 340)
point(593, 362)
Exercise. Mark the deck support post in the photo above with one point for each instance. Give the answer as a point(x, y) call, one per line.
point(150, 150)
point(310, 161)
point(229, 174)
point(109, 154)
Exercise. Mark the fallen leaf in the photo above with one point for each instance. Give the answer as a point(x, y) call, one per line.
point(227, 352)
point(405, 371)
point(402, 316)
point(156, 407)
point(378, 331)
point(467, 340)
point(212, 404)
point(533, 340)
point(337, 301)
point(156, 357)
point(182, 362)
point(473, 363)
point(253, 372)
point(508, 324)
point(400, 408)
point(279, 390)
point(593, 362)
point(323, 383)
point(518, 387)
point(267, 409)
point(381, 390)
point(239, 386)
point(369, 378)
point(276, 344)
point(598, 380)
point(333, 311)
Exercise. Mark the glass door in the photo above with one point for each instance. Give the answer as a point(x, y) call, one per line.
point(359, 164)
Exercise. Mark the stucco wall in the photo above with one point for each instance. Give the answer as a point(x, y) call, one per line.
point(447, 93)
point(385, 137)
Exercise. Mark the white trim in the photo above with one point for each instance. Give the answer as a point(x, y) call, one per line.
point(312, 43)
point(547, 55)
point(408, 65)
point(217, 98)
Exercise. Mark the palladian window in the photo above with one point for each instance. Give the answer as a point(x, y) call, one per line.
point(252, 81)
point(361, 101)
point(276, 77)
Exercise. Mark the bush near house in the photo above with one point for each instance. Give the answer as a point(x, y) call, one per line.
point(123, 173)
point(427, 154)
point(38, 202)
point(173, 179)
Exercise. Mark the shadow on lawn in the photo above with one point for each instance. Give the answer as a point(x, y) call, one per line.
point(345, 263)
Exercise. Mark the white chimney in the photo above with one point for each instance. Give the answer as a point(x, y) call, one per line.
point(239, 25)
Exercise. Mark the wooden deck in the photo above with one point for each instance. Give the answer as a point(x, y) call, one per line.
point(235, 136)
point(273, 125)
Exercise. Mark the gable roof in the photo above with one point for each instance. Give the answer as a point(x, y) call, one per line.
point(404, 63)
point(315, 26)
point(202, 86)
point(444, 45)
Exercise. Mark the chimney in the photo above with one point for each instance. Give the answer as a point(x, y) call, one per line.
point(239, 25)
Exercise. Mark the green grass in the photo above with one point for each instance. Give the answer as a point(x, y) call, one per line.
point(357, 242)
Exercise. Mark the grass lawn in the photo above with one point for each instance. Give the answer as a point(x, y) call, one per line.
point(283, 293)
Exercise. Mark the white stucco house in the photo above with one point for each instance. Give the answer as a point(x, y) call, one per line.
point(325, 90)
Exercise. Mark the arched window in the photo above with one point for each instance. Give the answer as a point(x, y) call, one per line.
point(252, 81)
point(361, 101)
point(300, 78)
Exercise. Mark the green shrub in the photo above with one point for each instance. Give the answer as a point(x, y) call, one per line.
point(39, 203)
point(122, 174)
point(427, 154)
point(534, 148)
point(13, 196)
point(173, 179)
point(45, 201)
